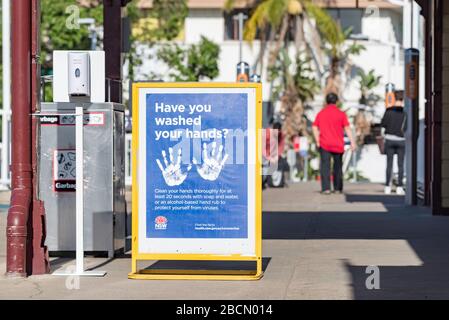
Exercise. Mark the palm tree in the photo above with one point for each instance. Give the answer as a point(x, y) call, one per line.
point(335, 40)
point(276, 18)
point(294, 85)
point(310, 27)
point(280, 19)
point(368, 82)
point(301, 87)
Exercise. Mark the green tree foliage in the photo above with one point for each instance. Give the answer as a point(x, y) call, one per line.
point(169, 16)
point(59, 17)
point(194, 63)
point(294, 82)
point(294, 85)
point(368, 81)
point(297, 74)
point(55, 35)
point(134, 60)
point(306, 85)
point(267, 12)
point(57, 31)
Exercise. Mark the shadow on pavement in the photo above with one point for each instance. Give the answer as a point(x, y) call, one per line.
point(379, 198)
point(208, 265)
point(427, 236)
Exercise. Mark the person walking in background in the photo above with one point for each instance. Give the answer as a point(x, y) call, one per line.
point(328, 129)
point(272, 159)
point(394, 122)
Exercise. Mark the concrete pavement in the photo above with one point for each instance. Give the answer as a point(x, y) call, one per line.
point(314, 247)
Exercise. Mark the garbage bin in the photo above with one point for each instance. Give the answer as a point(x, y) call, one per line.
point(104, 176)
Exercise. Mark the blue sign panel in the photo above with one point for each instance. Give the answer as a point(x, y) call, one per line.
point(196, 165)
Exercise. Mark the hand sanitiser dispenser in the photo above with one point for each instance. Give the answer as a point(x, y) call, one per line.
point(79, 74)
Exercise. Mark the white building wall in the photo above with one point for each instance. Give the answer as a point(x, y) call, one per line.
point(380, 55)
point(204, 22)
point(383, 26)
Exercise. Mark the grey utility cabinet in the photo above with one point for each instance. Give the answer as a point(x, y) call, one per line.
point(104, 176)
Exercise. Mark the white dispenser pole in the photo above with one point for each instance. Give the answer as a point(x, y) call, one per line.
point(79, 271)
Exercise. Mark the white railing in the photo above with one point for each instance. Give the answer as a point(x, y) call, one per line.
point(5, 178)
point(128, 159)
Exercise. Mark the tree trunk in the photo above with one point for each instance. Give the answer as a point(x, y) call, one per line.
point(299, 34)
point(292, 109)
point(280, 40)
point(333, 82)
point(259, 65)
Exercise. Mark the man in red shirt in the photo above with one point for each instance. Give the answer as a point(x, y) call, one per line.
point(328, 129)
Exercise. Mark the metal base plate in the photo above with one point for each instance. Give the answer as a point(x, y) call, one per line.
point(66, 273)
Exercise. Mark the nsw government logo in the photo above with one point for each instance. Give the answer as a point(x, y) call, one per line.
point(160, 223)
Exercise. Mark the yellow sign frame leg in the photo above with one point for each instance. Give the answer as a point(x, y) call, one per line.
point(184, 274)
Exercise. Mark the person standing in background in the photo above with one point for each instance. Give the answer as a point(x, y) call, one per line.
point(394, 122)
point(328, 129)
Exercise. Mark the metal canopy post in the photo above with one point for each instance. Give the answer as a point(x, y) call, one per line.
point(6, 113)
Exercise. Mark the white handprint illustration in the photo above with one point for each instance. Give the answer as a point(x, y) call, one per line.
point(211, 167)
point(172, 173)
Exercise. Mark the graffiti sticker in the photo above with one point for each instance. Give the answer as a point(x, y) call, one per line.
point(64, 170)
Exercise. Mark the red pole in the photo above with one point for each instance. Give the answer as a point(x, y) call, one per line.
point(21, 170)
